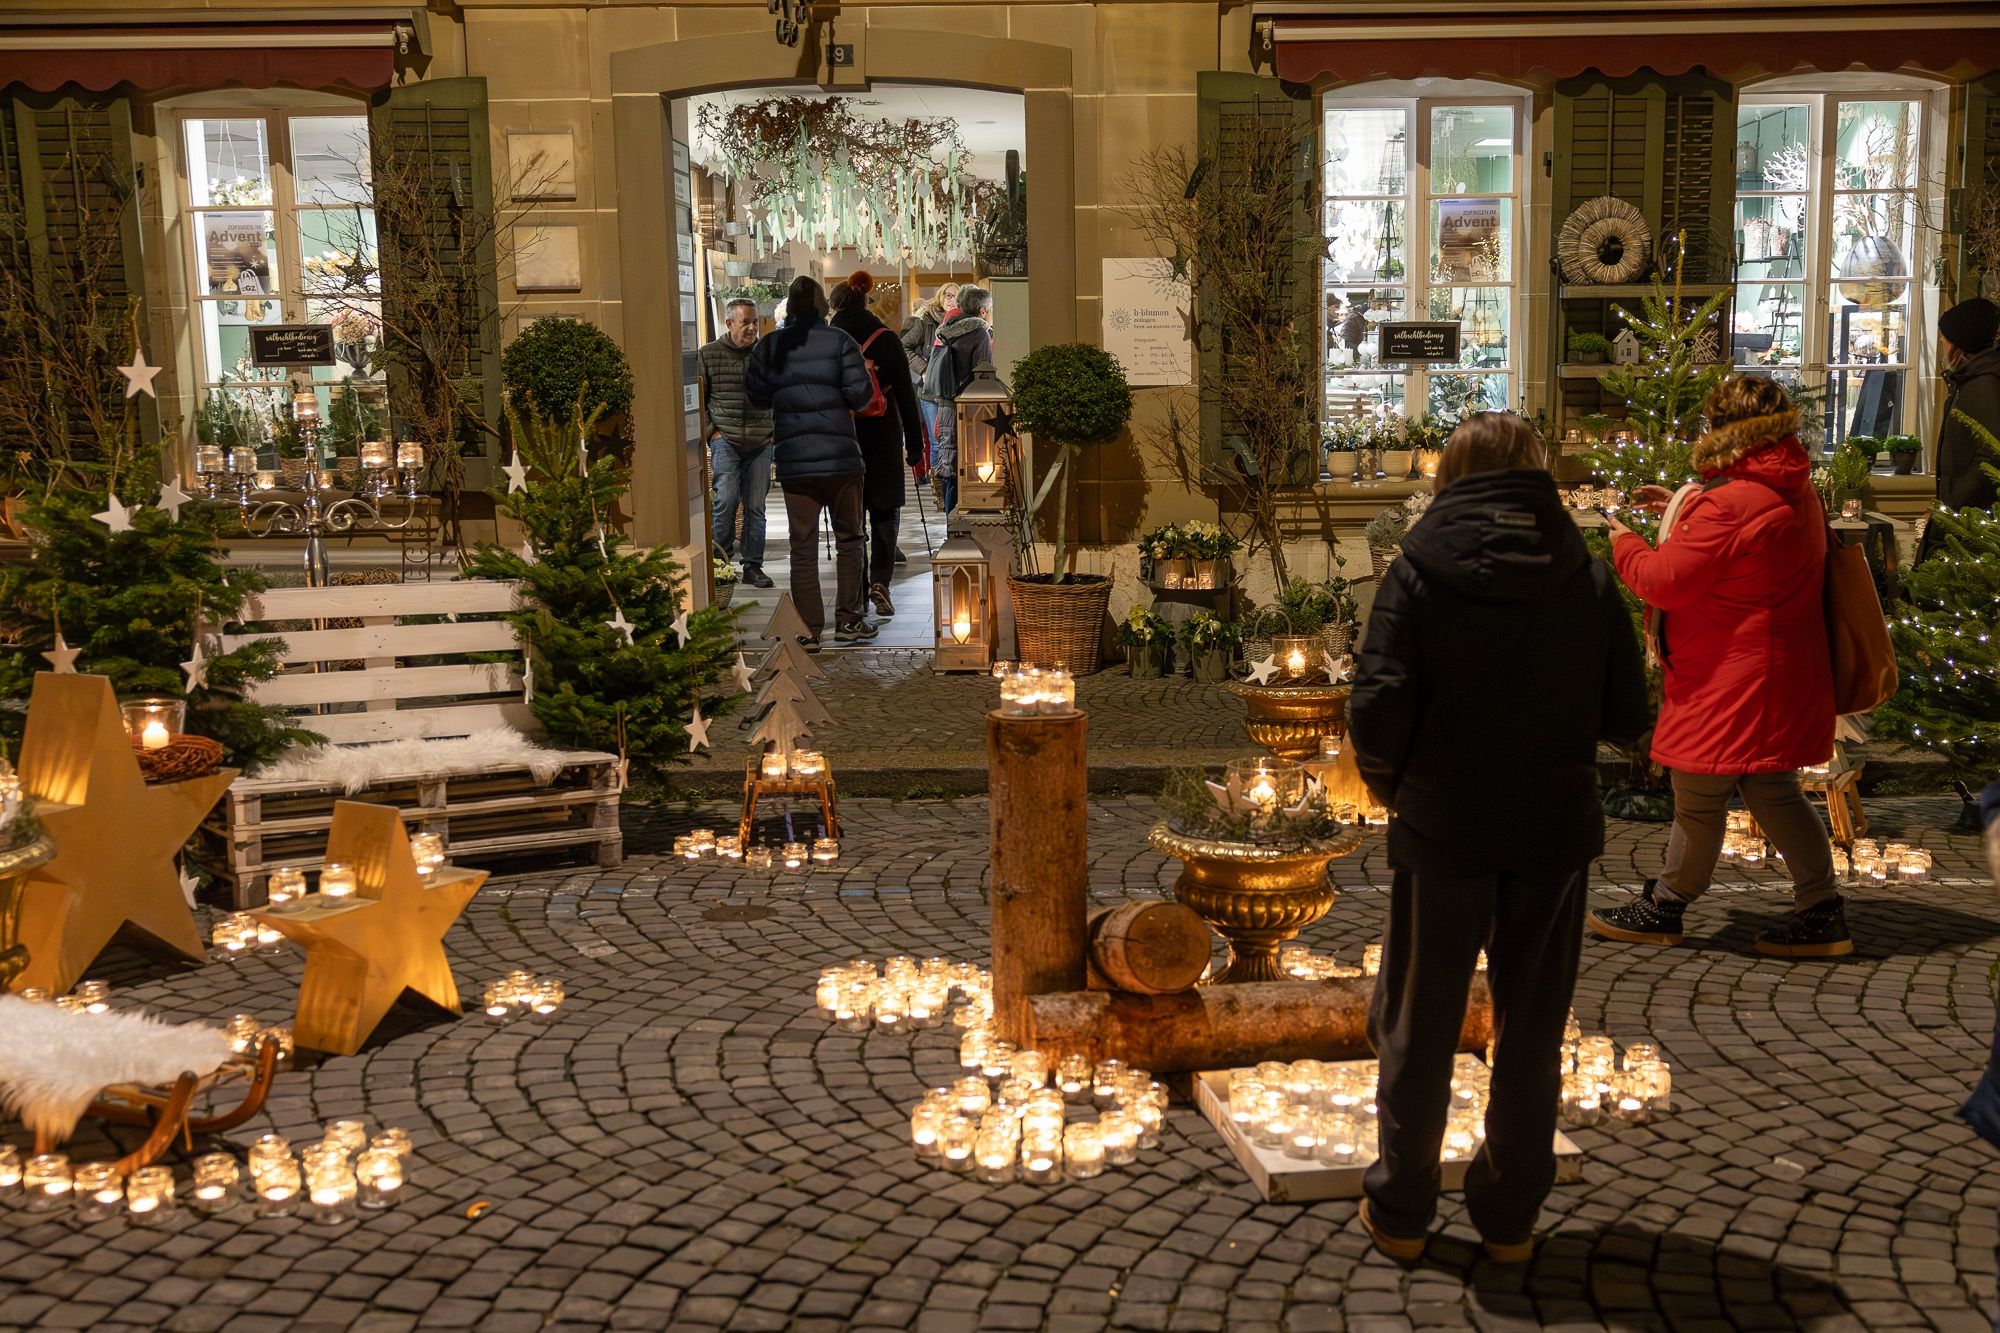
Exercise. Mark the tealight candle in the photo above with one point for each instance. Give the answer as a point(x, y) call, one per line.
point(428, 851)
point(826, 850)
point(955, 1142)
point(972, 1094)
point(1104, 1083)
point(1120, 1135)
point(546, 996)
point(1058, 693)
point(772, 765)
point(795, 855)
point(285, 887)
point(729, 847)
point(808, 764)
point(1041, 1160)
point(243, 1031)
point(925, 1124)
point(351, 1136)
point(395, 1140)
point(331, 1189)
point(998, 1061)
point(826, 995)
point(409, 455)
point(215, 1180)
point(10, 1166)
point(99, 1191)
point(95, 996)
point(234, 932)
point(378, 1174)
point(993, 1156)
point(337, 880)
point(47, 1181)
point(498, 1001)
point(278, 1184)
point(149, 1192)
point(1340, 1142)
point(374, 454)
point(1083, 1151)
point(1073, 1078)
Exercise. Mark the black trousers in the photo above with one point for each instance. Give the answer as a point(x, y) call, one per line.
point(1531, 926)
point(882, 526)
point(841, 498)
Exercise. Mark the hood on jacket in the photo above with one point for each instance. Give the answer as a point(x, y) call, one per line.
point(1498, 535)
point(1974, 367)
point(960, 326)
point(1729, 444)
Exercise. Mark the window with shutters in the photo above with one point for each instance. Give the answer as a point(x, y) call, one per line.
point(281, 230)
point(1833, 248)
point(1423, 222)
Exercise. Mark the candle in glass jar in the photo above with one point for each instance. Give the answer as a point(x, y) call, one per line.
point(1041, 1159)
point(149, 1191)
point(95, 996)
point(993, 1155)
point(378, 1174)
point(808, 764)
point(409, 455)
point(757, 858)
point(1073, 1078)
point(1083, 1151)
point(925, 1124)
point(337, 880)
point(498, 1001)
point(277, 1183)
point(1120, 1135)
point(215, 1179)
point(729, 847)
point(47, 1180)
point(428, 851)
point(374, 454)
point(287, 885)
point(794, 855)
point(330, 1188)
point(208, 459)
point(772, 765)
point(825, 850)
point(10, 1166)
point(99, 1191)
point(242, 460)
point(955, 1143)
point(154, 736)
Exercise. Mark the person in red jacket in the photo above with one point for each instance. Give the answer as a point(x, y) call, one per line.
point(1736, 586)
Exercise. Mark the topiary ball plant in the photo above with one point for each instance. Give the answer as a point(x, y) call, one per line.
point(559, 362)
point(1069, 395)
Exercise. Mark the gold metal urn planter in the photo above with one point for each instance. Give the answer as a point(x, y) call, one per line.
point(1289, 720)
point(16, 861)
point(1255, 895)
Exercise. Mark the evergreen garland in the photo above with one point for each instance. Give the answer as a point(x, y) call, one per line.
point(593, 689)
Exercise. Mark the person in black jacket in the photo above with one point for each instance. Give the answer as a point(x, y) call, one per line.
point(1967, 334)
point(889, 442)
point(1498, 654)
point(963, 341)
point(812, 378)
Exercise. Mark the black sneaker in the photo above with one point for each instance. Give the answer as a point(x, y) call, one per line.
point(755, 576)
point(878, 597)
point(809, 642)
point(901, 559)
point(860, 629)
point(1644, 920)
point(1817, 932)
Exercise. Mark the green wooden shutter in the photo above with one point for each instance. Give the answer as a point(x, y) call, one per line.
point(1982, 172)
point(436, 130)
point(1229, 107)
point(69, 190)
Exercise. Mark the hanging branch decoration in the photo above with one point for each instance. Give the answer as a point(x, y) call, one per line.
point(817, 172)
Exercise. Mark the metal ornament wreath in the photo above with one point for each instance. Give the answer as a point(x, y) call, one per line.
point(1606, 240)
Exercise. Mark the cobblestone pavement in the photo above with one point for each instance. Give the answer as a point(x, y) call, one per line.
point(685, 1145)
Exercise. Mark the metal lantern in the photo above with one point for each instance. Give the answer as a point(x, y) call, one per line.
point(985, 434)
point(963, 579)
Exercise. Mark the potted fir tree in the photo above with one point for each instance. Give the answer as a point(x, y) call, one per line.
point(1067, 395)
point(1148, 640)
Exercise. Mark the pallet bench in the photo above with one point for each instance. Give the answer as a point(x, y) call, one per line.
point(394, 662)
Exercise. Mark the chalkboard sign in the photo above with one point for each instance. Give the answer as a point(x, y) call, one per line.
point(291, 345)
point(1417, 342)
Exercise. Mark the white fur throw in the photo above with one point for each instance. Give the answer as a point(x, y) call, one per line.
point(54, 1062)
point(353, 768)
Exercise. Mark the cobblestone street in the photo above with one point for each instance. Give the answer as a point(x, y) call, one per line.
point(686, 1145)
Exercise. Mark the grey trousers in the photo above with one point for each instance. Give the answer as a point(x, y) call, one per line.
point(1701, 806)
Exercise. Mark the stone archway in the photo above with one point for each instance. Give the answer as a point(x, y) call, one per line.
point(644, 79)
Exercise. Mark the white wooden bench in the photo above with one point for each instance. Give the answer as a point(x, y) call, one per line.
point(395, 664)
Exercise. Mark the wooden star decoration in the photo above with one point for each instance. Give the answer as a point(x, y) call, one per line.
point(620, 623)
point(364, 952)
point(681, 628)
point(172, 498)
point(517, 475)
point(742, 675)
point(118, 838)
point(114, 515)
point(697, 730)
point(139, 375)
point(1261, 671)
point(196, 669)
point(62, 657)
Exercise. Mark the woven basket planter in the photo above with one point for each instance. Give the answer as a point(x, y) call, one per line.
point(1381, 557)
point(1061, 622)
point(724, 592)
point(1337, 639)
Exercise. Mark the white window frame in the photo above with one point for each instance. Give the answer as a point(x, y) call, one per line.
point(1823, 96)
point(1416, 283)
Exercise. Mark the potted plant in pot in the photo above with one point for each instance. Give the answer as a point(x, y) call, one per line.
point(1325, 608)
point(1867, 445)
point(1148, 640)
point(1210, 640)
point(726, 578)
point(1068, 396)
point(1904, 450)
point(1193, 555)
point(1385, 531)
point(1588, 349)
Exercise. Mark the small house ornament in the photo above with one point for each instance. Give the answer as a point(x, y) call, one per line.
point(1625, 348)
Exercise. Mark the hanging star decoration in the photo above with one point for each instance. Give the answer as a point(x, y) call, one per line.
point(517, 475)
point(528, 553)
point(1262, 671)
point(743, 675)
point(188, 885)
point(139, 375)
point(172, 498)
point(1338, 668)
point(681, 628)
point(528, 682)
point(1001, 423)
point(62, 657)
point(196, 669)
point(697, 730)
point(620, 623)
point(114, 515)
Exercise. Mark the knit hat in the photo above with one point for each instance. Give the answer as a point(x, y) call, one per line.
point(1972, 325)
point(861, 280)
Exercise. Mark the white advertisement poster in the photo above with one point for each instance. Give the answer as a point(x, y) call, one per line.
point(1147, 314)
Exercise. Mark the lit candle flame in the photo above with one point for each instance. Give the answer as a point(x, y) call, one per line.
point(961, 627)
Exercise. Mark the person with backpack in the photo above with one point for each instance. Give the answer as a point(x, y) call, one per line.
point(814, 380)
point(887, 426)
point(919, 332)
point(962, 343)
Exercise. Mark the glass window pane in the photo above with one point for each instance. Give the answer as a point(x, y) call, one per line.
point(1866, 400)
point(225, 333)
point(1356, 397)
point(1454, 395)
point(1472, 150)
point(1350, 328)
point(1771, 148)
point(1874, 240)
point(1482, 315)
point(1876, 146)
point(337, 248)
point(236, 249)
point(357, 333)
point(1367, 150)
point(1368, 240)
point(1868, 335)
point(229, 161)
point(1472, 240)
point(330, 163)
point(1769, 326)
point(232, 415)
point(1771, 236)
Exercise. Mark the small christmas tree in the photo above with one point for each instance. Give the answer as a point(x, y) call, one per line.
point(1948, 700)
point(610, 672)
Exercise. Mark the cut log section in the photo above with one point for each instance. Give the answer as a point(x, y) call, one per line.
point(1040, 874)
point(1151, 948)
point(1223, 1027)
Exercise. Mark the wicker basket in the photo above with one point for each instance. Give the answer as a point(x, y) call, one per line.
point(181, 758)
point(1061, 622)
point(1337, 639)
point(1380, 557)
point(724, 593)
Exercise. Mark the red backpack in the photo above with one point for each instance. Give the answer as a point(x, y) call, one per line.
point(878, 402)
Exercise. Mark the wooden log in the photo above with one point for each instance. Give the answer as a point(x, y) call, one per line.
point(1223, 1027)
point(1150, 948)
point(1039, 869)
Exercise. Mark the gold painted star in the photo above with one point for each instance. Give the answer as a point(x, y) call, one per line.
point(364, 952)
point(117, 837)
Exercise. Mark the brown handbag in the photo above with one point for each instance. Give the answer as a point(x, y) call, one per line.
point(1857, 635)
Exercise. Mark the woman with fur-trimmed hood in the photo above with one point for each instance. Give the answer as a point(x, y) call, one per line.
point(1736, 583)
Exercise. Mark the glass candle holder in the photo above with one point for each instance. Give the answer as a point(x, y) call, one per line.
point(351, 1135)
point(1083, 1151)
point(278, 1186)
point(771, 765)
point(826, 992)
point(427, 849)
point(1058, 693)
point(281, 1037)
point(1002, 668)
point(546, 996)
point(808, 764)
point(702, 840)
point(795, 855)
point(374, 455)
point(684, 848)
point(242, 460)
point(1073, 1079)
point(378, 1175)
point(243, 1031)
point(94, 996)
point(925, 1124)
point(972, 1050)
point(729, 847)
point(1043, 1119)
point(216, 1176)
point(1261, 785)
point(1120, 1135)
point(395, 1140)
point(1302, 1136)
point(154, 722)
point(1582, 1103)
point(1041, 1158)
point(1640, 1052)
point(10, 1166)
point(268, 1149)
point(972, 1095)
point(233, 932)
point(1340, 1140)
point(1032, 1066)
point(337, 880)
point(1295, 654)
point(856, 1010)
point(1021, 694)
point(208, 460)
point(285, 887)
point(955, 1143)
point(409, 455)
point(47, 1180)
point(998, 1060)
point(993, 1156)
point(757, 858)
point(498, 1001)
point(331, 1189)
point(100, 1194)
point(1104, 1083)
point(149, 1193)
point(825, 851)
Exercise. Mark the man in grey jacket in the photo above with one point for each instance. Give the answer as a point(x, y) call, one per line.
point(739, 440)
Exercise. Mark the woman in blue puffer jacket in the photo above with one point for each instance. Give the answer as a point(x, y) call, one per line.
point(813, 379)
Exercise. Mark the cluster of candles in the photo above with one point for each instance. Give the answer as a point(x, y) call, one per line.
point(905, 995)
point(1887, 861)
point(1311, 1110)
point(520, 993)
point(344, 1169)
point(287, 884)
point(1009, 1116)
point(154, 722)
point(1594, 497)
point(1027, 690)
point(803, 765)
point(247, 1035)
point(89, 997)
point(238, 933)
point(702, 843)
point(211, 460)
point(1598, 1087)
point(1196, 575)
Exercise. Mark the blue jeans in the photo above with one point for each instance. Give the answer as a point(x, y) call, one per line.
point(745, 478)
point(944, 452)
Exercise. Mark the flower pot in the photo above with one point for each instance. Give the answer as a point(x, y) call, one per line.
point(1255, 896)
point(293, 472)
point(1381, 557)
point(1210, 665)
point(1290, 720)
point(1148, 660)
point(1904, 464)
point(724, 593)
point(1060, 622)
point(1338, 640)
point(1586, 358)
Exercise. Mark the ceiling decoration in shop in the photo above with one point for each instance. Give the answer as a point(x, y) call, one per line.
point(816, 171)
